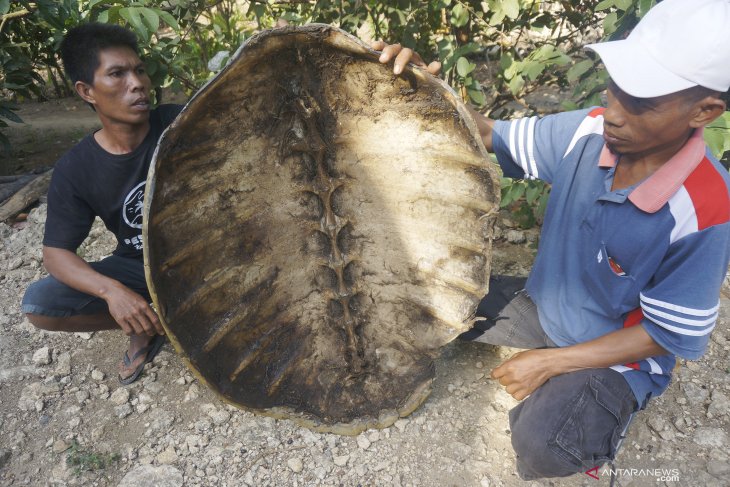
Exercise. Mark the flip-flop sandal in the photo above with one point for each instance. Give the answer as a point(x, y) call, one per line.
point(151, 350)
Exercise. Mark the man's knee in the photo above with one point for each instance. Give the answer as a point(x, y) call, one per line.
point(535, 456)
point(571, 423)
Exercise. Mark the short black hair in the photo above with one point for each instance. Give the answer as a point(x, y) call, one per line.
point(81, 45)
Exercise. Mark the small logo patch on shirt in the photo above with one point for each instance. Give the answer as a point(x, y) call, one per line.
point(599, 257)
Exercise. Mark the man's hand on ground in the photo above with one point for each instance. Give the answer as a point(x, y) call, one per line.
point(525, 371)
point(402, 56)
point(132, 312)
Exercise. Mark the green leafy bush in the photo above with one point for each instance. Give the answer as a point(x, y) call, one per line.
point(495, 53)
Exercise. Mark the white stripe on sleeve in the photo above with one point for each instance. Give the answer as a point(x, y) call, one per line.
point(681, 331)
point(621, 368)
point(531, 146)
point(655, 368)
point(680, 309)
point(513, 140)
point(521, 147)
point(683, 211)
point(677, 319)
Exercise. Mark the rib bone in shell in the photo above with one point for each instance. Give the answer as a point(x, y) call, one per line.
point(317, 229)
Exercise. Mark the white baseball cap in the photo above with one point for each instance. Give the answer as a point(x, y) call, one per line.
point(678, 44)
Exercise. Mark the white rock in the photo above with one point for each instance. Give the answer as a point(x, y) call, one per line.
point(82, 396)
point(695, 394)
point(363, 442)
point(29, 395)
point(60, 446)
point(401, 424)
point(97, 375)
point(720, 404)
point(295, 464)
point(341, 461)
point(160, 420)
point(63, 363)
point(120, 396)
point(84, 335)
point(219, 416)
point(42, 356)
point(718, 468)
point(15, 263)
point(123, 411)
point(515, 236)
point(168, 456)
point(709, 436)
point(149, 476)
point(192, 393)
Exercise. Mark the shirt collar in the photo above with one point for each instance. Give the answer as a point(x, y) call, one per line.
point(654, 192)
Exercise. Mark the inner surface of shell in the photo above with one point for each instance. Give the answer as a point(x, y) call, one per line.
point(316, 228)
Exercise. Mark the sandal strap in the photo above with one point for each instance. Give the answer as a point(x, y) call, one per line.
point(142, 351)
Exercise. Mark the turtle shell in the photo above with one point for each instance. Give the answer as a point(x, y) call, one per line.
point(317, 229)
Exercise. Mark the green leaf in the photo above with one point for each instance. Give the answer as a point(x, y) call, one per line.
point(540, 211)
point(605, 4)
point(532, 69)
point(578, 69)
point(477, 96)
point(533, 191)
point(4, 6)
point(168, 19)
point(464, 67)
point(10, 115)
point(459, 16)
point(516, 84)
point(610, 23)
point(645, 6)
point(132, 15)
point(624, 4)
point(511, 8)
point(151, 19)
point(517, 190)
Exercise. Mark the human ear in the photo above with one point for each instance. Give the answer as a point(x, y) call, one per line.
point(707, 110)
point(84, 90)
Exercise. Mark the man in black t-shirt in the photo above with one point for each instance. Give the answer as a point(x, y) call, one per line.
point(103, 175)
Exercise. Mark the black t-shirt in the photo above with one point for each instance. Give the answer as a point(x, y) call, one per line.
point(89, 181)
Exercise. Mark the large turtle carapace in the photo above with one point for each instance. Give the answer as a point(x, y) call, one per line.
point(316, 228)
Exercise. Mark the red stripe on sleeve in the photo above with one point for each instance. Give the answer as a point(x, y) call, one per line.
point(633, 365)
point(596, 112)
point(709, 195)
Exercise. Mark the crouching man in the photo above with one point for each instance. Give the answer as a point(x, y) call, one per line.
point(103, 175)
point(635, 243)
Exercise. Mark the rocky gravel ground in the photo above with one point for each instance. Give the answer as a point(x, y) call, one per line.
point(65, 420)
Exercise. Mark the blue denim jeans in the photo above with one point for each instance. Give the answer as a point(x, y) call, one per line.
point(574, 421)
point(49, 297)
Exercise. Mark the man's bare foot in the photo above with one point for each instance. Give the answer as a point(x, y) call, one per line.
point(142, 349)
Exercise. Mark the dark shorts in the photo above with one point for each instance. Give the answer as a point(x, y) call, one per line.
point(49, 297)
point(574, 421)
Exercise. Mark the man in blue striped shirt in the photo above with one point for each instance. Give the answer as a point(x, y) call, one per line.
point(634, 247)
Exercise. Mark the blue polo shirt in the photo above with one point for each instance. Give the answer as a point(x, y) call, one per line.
point(652, 255)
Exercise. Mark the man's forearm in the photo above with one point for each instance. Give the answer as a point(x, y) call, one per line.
point(76, 273)
point(525, 371)
point(619, 347)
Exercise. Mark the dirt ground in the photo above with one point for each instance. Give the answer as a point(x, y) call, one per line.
point(65, 420)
